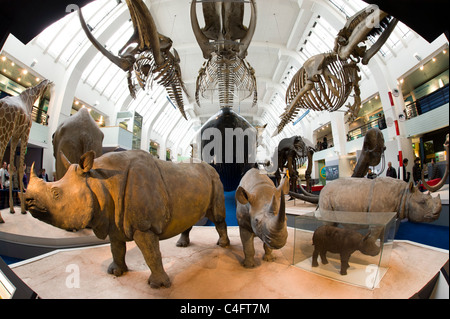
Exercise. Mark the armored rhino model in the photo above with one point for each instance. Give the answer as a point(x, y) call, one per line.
point(383, 194)
point(131, 196)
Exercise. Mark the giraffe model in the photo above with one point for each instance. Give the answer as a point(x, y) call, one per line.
point(15, 125)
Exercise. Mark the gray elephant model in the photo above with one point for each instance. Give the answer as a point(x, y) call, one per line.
point(341, 241)
point(383, 194)
point(74, 137)
point(260, 211)
point(131, 196)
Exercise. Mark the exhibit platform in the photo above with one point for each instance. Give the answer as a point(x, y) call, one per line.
point(205, 270)
point(298, 207)
point(23, 237)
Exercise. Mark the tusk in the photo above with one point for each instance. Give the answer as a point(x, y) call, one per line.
point(251, 31)
point(145, 28)
point(441, 183)
point(380, 42)
point(122, 63)
point(202, 40)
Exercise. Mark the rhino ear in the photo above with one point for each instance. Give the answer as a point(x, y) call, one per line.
point(242, 196)
point(87, 161)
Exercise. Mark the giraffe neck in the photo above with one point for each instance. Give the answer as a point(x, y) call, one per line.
point(30, 95)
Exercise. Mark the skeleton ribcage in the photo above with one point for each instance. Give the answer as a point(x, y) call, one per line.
point(167, 75)
point(230, 77)
point(328, 94)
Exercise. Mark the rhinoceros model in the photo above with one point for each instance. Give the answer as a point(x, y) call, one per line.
point(383, 194)
point(74, 137)
point(260, 211)
point(131, 196)
point(341, 241)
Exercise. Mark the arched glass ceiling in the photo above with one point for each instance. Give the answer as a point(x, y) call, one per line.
point(66, 43)
point(63, 39)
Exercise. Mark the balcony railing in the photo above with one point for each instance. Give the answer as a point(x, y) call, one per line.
point(362, 130)
point(427, 103)
point(39, 116)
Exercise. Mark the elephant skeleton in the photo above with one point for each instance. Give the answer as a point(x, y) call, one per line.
point(226, 69)
point(325, 81)
point(146, 55)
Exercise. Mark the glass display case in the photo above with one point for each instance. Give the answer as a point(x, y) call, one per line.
point(352, 247)
point(11, 286)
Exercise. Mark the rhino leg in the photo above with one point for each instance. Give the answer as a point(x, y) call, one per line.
point(344, 263)
point(184, 238)
point(1, 219)
point(323, 256)
point(118, 250)
point(148, 243)
point(216, 214)
point(268, 254)
point(249, 248)
point(314, 257)
point(221, 228)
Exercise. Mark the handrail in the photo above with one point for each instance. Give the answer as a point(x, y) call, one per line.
point(427, 103)
point(362, 130)
point(39, 116)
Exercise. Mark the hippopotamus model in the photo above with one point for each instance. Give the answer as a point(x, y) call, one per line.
point(383, 194)
point(341, 241)
point(74, 137)
point(260, 211)
point(131, 196)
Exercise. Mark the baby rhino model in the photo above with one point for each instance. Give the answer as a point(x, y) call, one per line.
point(260, 211)
point(341, 241)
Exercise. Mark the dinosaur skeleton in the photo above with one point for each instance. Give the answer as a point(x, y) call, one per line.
point(226, 69)
point(146, 55)
point(326, 80)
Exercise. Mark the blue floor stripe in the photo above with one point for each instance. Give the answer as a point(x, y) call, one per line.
point(427, 234)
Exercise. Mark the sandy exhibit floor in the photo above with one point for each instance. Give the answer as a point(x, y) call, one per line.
point(205, 270)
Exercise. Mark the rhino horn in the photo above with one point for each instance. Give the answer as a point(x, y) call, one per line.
point(32, 173)
point(278, 220)
point(64, 160)
point(282, 211)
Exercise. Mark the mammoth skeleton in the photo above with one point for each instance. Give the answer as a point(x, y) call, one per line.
point(146, 55)
point(293, 153)
point(326, 80)
point(224, 42)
